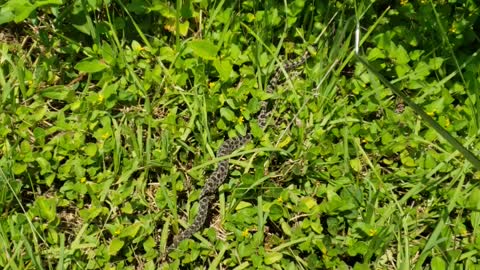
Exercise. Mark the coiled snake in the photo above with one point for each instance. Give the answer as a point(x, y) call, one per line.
point(218, 176)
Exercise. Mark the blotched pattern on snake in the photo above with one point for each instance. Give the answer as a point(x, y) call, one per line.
point(218, 176)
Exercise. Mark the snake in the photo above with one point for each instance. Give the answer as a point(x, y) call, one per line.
point(218, 176)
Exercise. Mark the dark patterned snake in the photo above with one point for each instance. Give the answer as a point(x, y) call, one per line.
point(220, 174)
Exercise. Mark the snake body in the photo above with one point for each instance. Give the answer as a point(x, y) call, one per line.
point(220, 174)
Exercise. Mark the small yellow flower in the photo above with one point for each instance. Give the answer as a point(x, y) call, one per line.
point(431, 113)
point(105, 135)
point(453, 29)
point(211, 84)
point(83, 180)
point(403, 2)
point(117, 231)
point(240, 119)
point(100, 98)
point(372, 232)
point(245, 233)
point(280, 200)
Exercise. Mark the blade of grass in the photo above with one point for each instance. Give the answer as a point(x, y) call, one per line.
point(425, 117)
point(261, 217)
point(139, 30)
point(239, 153)
point(91, 28)
point(434, 238)
point(34, 256)
point(61, 258)
point(216, 262)
point(365, 37)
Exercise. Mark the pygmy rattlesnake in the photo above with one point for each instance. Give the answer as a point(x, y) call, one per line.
point(218, 176)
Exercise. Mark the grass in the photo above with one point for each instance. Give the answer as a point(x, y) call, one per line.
point(111, 115)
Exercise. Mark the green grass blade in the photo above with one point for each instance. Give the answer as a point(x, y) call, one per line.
point(425, 117)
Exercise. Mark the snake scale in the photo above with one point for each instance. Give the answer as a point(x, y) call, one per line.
point(220, 174)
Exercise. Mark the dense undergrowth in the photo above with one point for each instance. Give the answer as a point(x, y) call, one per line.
point(111, 113)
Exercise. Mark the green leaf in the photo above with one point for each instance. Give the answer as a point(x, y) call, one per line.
point(275, 212)
point(362, 266)
point(253, 105)
point(438, 263)
point(435, 63)
point(375, 54)
point(224, 68)
point(167, 54)
point(286, 141)
point(91, 149)
point(58, 92)
point(386, 138)
point(402, 69)
point(109, 93)
point(256, 260)
point(149, 244)
point(365, 228)
point(356, 164)
point(47, 208)
point(407, 160)
point(136, 46)
point(127, 208)
point(245, 250)
point(415, 84)
point(131, 230)
point(44, 165)
point(19, 10)
point(400, 55)
point(204, 49)
point(286, 228)
point(307, 203)
point(183, 28)
point(91, 65)
point(436, 106)
point(49, 179)
point(358, 248)
point(7, 14)
point(108, 53)
point(91, 213)
point(273, 257)
point(228, 114)
point(115, 246)
point(242, 205)
point(317, 227)
point(19, 168)
point(333, 225)
point(163, 8)
point(39, 134)
point(422, 70)
point(473, 201)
